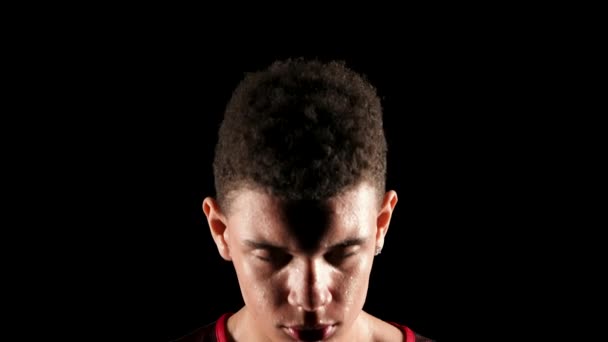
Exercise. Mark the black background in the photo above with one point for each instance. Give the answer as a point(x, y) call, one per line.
point(469, 134)
point(453, 129)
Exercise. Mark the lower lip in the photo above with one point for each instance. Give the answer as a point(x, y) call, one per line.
point(311, 335)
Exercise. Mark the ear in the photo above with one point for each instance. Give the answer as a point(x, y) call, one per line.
point(217, 223)
point(384, 217)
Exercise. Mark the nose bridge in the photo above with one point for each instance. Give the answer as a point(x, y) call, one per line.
point(310, 286)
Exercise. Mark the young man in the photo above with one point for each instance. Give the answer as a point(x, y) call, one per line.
point(301, 207)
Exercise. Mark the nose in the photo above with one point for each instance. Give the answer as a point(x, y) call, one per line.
point(309, 287)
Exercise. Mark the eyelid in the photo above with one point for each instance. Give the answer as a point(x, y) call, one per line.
point(266, 252)
point(263, 253)
point(347, 248)
point(263, 258)
point(342, 252)
point(273, 256)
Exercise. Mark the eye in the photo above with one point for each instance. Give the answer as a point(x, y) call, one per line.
point(262, 256)
point(339, 255)
point(276, 258)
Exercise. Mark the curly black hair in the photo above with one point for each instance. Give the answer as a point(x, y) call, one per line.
point(301, 130)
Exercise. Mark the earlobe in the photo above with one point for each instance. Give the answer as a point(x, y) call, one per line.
point(218, 226)
point(383, 219)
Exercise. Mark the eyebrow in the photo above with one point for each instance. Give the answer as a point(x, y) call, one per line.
point(262, 245)
point(356, 241)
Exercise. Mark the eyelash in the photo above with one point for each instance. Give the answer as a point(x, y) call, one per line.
point(262, 258)
point(276, 258)
point(340, 255)
point(337, 256)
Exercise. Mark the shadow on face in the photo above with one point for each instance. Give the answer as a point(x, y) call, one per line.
point(307, 221)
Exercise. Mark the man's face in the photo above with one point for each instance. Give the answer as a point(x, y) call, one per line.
point(303, 267)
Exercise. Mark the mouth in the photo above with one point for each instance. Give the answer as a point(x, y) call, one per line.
point(312, 333)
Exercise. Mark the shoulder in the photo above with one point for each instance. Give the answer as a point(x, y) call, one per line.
point(212, 332)
point(410, 335)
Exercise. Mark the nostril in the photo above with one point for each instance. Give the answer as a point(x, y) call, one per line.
point(310, 298)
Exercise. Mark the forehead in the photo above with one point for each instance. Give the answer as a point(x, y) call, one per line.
point(255, 214)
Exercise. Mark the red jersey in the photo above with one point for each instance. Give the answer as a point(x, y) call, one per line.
point(218, 332)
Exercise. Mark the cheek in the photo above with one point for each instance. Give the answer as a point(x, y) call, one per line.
point(353, 285)
point(258, 287)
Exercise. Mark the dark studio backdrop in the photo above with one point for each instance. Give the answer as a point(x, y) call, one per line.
point(462, 154)
point(451, 132)
point(406, 277)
